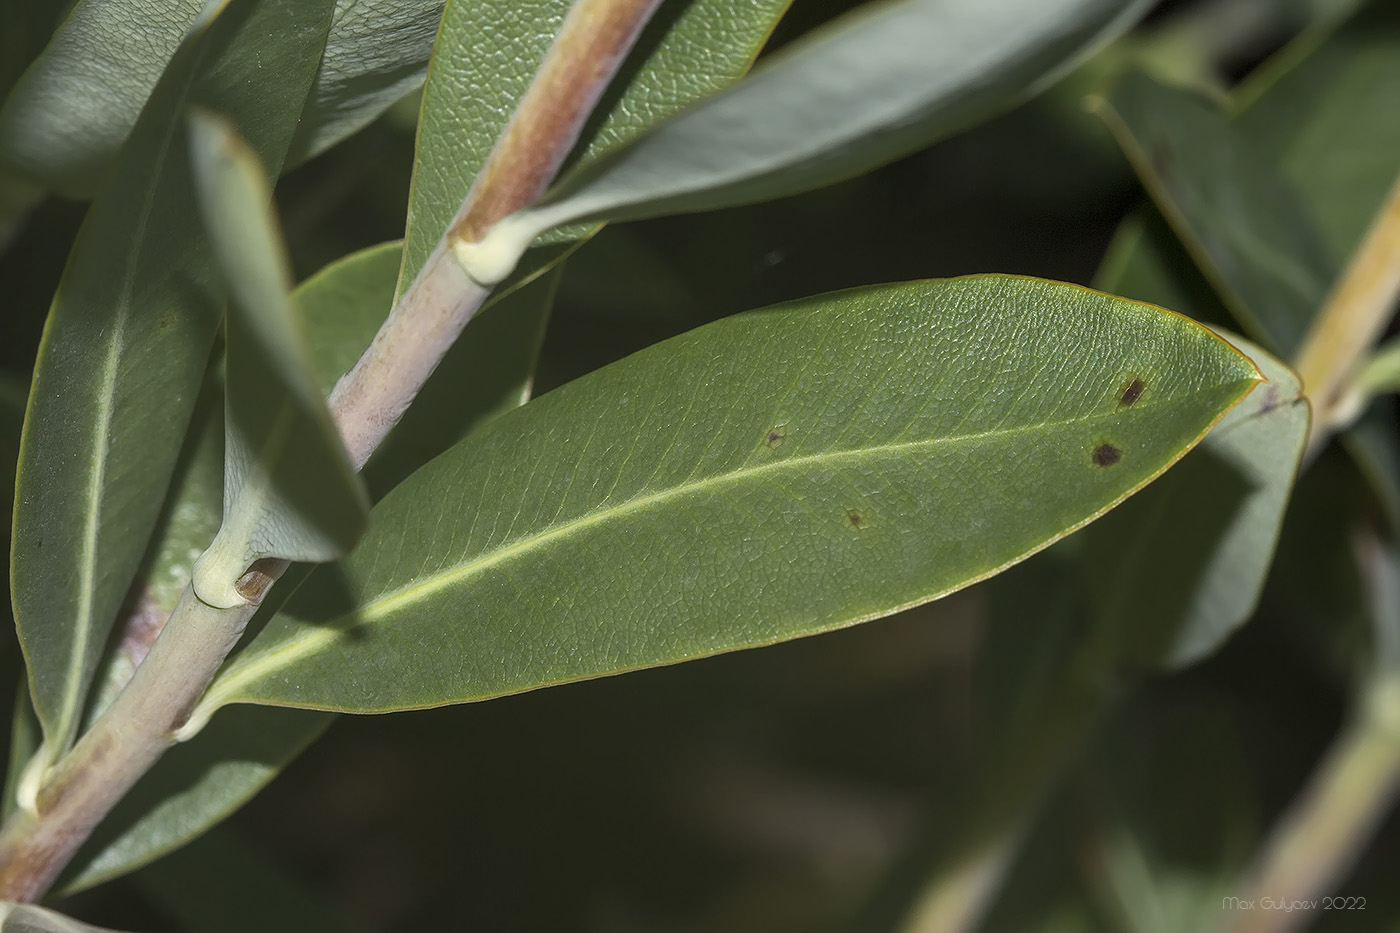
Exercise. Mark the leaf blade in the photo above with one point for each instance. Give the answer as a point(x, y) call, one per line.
point(290, 491)
point(766, 458)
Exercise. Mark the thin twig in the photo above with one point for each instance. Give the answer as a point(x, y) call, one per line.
point(371, 398)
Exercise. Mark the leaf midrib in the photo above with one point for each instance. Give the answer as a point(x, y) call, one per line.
point(325, 633)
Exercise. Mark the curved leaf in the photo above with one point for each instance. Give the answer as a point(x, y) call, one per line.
point(72, 109)
point(376, 53)
point(768, 476)
point(1186, 560)
point(125, 348)
point(290, 491)
point(878, 84)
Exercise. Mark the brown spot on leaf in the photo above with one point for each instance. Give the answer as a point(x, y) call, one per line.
point(775, 436)
point(1106, 455)
point(855, 519)
point(1131, 393)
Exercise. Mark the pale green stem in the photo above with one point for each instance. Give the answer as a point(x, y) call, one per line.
point(146, 717)
point(1329, 825)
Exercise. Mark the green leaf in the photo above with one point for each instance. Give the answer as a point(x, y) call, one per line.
point(878, 84)
point(125, 349)
point(26, 918)
point(290, 491)
point(1182, 565)
point(376, 53)
point(486, 56)
point(768, 476)
point(1244, 224)
point(72, 109)
point(187, 524)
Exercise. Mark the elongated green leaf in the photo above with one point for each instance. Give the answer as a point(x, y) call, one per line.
point(878, 84)
point(70, 112)
point(1182, 566)
point(768, 476)
point(290, 491)
point(26, 918)
point(485, 58)
point(205, 779)
point(126, 346)
point(1246, 226)
point(377, 52)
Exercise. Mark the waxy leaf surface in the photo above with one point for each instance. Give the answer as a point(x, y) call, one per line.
point(876, 85)
point(771, 475)
point(126, 345)
point(290, 491)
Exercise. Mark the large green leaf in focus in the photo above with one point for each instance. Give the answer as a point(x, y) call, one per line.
point(487, 53)
point(203, 780)
point(73, 108)
point(125, 348)
point(376, 53)
point(1246, 226)
point(876, 85)
point(768, 476)
point(1182, 565)
point(290, 491)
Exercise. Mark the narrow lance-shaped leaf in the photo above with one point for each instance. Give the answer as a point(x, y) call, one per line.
point(768, 476)
point(290, 491)
point(126, 346)
point(1187, 559)
point(874, 86)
